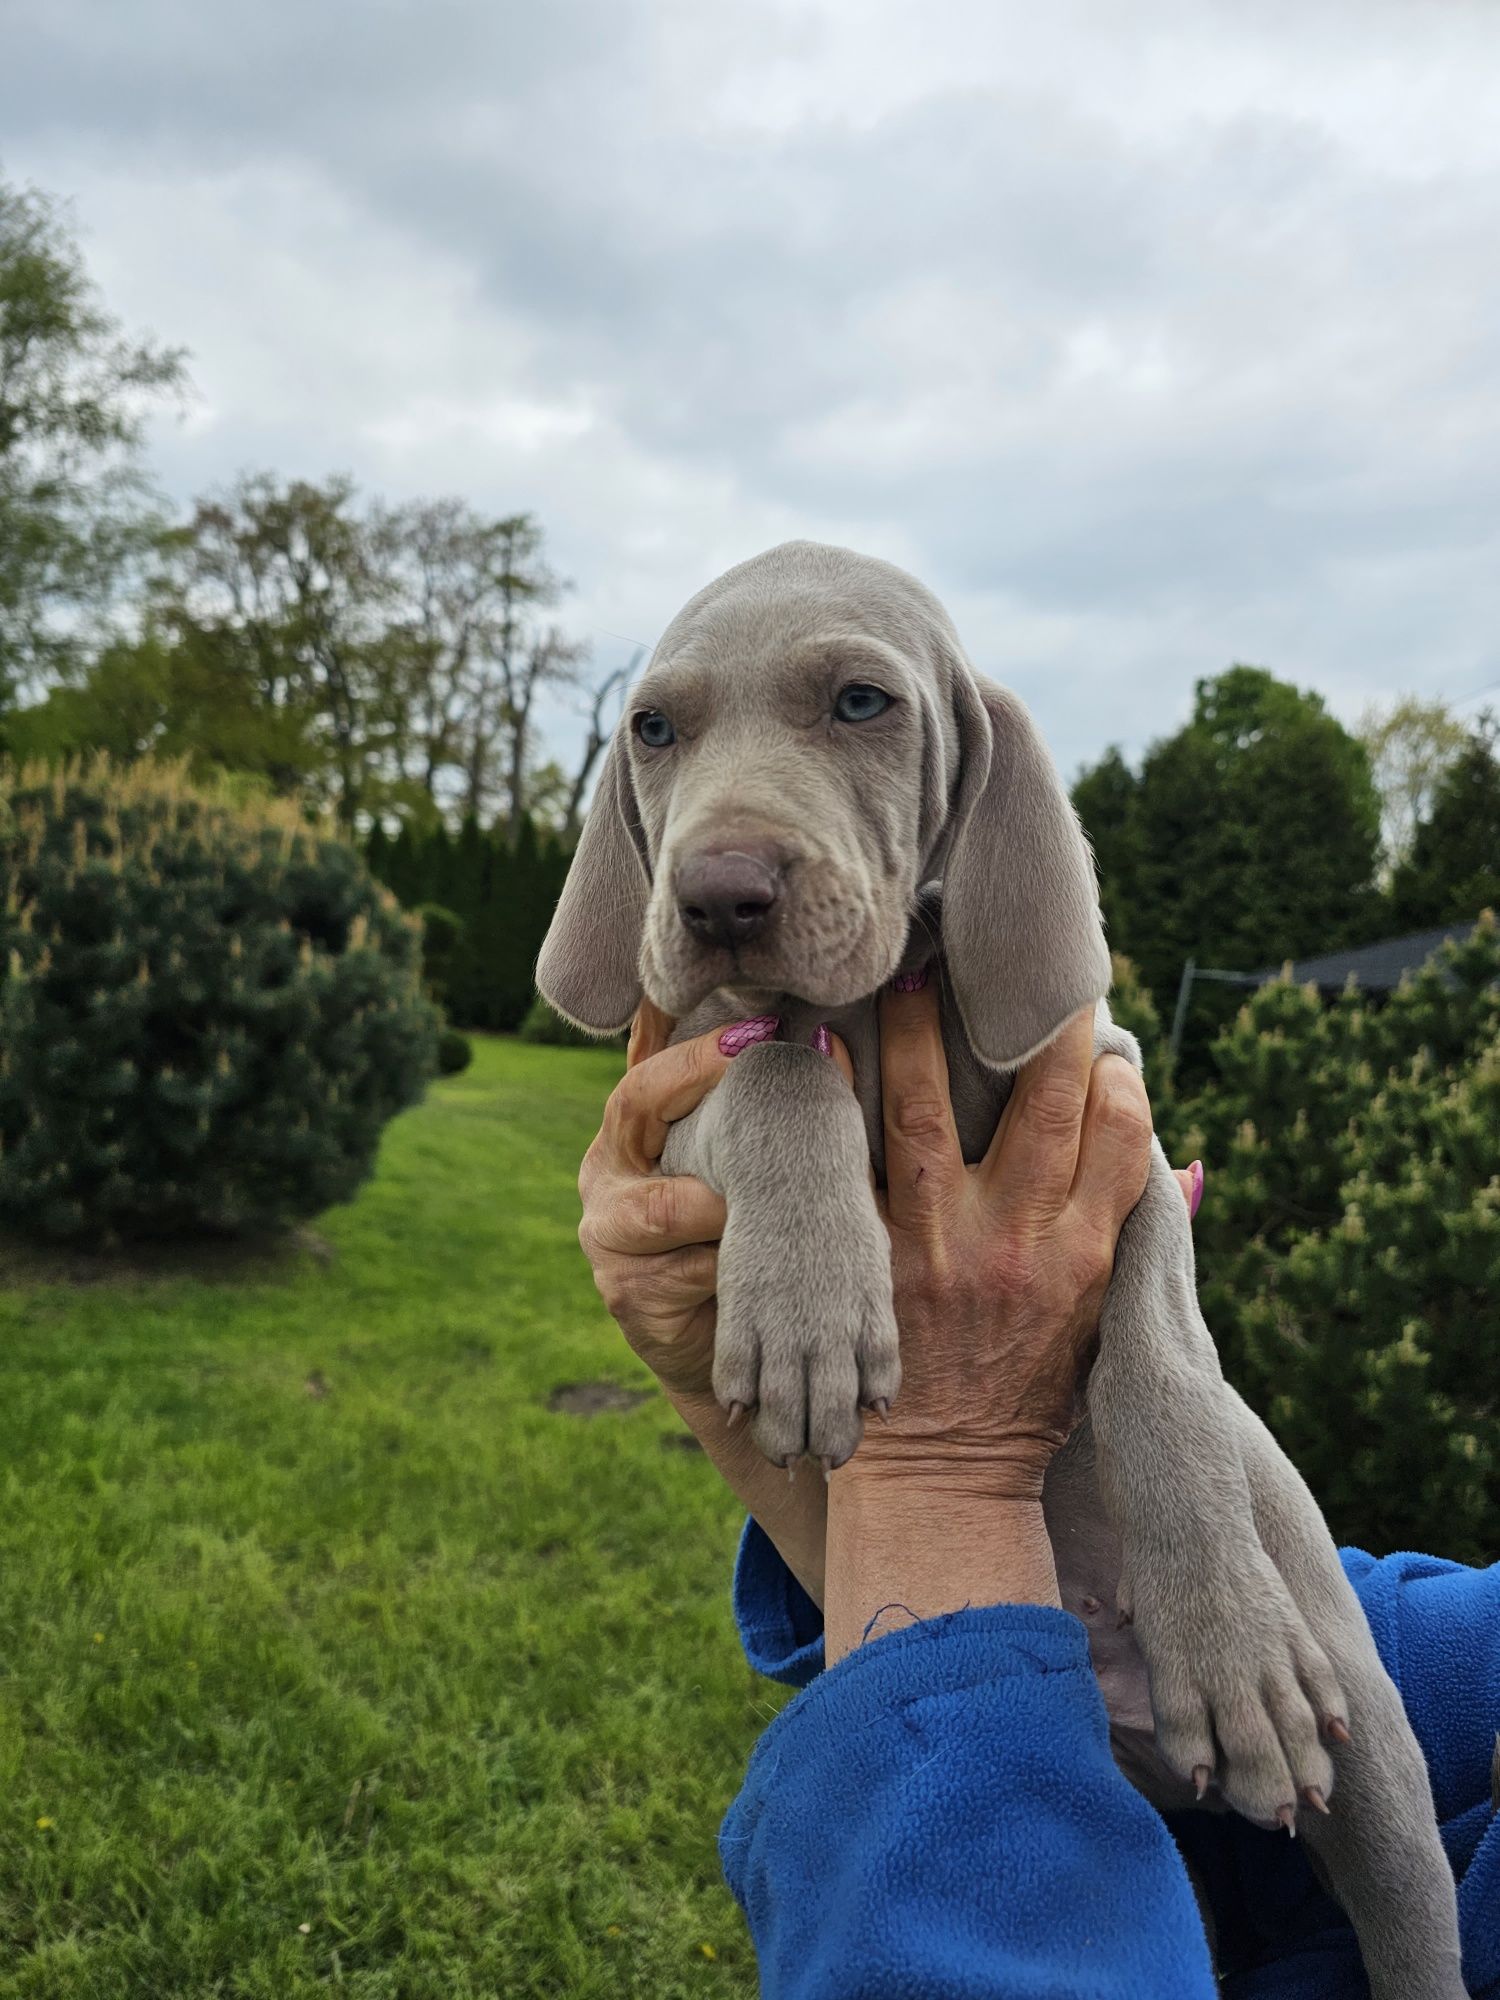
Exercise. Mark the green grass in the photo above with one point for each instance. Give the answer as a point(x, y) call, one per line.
point(331, 1659)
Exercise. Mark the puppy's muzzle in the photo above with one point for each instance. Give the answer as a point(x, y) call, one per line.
point(725, 898)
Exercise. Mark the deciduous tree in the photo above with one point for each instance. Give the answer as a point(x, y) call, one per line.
point(76, 509)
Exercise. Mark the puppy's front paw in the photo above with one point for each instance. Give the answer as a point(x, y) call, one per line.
point(806, 1335)
point(1243, 1695)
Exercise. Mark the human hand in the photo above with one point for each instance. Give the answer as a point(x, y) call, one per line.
point(1000, 1269)
point(652, 1241)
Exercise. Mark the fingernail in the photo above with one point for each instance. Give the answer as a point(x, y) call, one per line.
point(822, 1041)
point(910, 982)
point(1195, 1175)
point(1201, 1776)
point(743, 1034)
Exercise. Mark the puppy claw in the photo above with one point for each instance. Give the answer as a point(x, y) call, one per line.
point(1287, 1815)
point(1202, 1777)
point(1315, 1798)
point(882, 1409)
point(827, 1469)
point(736, 1411)
point(791, 1472)
point(1337, 1730)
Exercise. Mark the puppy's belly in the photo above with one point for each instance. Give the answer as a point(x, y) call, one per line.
point(1086, 1551)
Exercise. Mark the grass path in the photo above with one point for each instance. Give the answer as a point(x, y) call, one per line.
point(331, 1659)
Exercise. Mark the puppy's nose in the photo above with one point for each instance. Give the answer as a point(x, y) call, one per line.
point(726, 899)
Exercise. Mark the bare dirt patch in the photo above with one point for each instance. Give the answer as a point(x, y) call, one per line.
point(595, 1399)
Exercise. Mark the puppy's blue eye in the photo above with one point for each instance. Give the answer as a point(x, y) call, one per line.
point(654, 730)
point(859, 703)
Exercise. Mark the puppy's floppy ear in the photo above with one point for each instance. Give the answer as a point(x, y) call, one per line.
point(589, 965)
point(1022, 934)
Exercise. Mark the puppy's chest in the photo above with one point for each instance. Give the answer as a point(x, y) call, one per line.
point(978, 1094)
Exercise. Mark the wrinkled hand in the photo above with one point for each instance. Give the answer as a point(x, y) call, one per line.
point(1000, 1268)
point(652, 1239)
point(652, 1242)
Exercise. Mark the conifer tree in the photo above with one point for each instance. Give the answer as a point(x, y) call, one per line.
point(208, 1011)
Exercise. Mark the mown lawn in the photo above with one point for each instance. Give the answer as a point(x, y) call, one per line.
point(331, 1658)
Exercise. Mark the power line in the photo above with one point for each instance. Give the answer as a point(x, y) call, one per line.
point(1464, 699)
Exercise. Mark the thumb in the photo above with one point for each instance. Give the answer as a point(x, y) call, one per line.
point(649, 1033)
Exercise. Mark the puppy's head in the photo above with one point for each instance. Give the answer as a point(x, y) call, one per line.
point(807, 748)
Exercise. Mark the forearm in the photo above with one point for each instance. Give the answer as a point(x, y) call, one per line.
point(792, 1515)
point(905, 1547)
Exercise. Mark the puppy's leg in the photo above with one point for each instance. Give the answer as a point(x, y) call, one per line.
point(1240, 1689)
point(806, 1334)
point(1378, 1842)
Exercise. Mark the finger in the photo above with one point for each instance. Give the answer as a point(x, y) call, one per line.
point(659, 1090)
point(923, 1160)
point(1190, 1180)
point(1114, 1145)
point(652, 1212)
point(1034, 1153)
point(650, 1032)
point(839, 1051)
point(660, 1292)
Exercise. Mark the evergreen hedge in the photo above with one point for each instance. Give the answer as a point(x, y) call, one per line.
point(488, 902)
point(1349, 1240)
point(208, 1010)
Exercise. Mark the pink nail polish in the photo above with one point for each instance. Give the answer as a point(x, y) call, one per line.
point(743, 1034)
point(1195, 1175)
point(910, 982)
point(822, 1041)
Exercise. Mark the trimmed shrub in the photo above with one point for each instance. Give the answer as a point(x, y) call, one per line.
point(454, 1054)
point(1349, 1245)
point(208, 1009)
point(542, 1025)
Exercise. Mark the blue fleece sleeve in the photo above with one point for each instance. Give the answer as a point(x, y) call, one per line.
point(781, 1629)
point(940, 1815)
point(1437, 1626)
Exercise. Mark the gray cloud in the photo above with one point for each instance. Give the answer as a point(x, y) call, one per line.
point(1150, 343)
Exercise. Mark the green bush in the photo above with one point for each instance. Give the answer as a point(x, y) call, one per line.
point(442, 934)
point(454, 1054)
point(1349, 1242)
point(208, 1010)
point(542, 1025)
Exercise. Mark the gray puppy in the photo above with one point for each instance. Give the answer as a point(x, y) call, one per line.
point(813, 792)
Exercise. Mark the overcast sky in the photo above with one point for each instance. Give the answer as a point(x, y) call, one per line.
point(1151, 336)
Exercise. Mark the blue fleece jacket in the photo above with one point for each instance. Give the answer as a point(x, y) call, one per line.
point(938, 1817)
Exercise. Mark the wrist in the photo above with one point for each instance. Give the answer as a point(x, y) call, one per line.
point(1004, 1469)
point(900, 1550)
